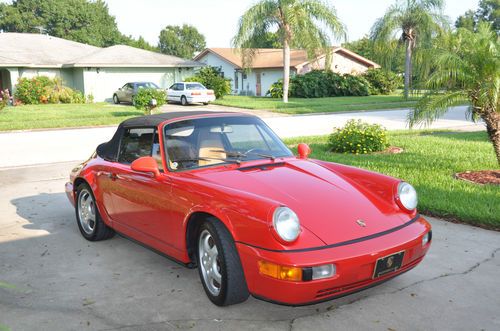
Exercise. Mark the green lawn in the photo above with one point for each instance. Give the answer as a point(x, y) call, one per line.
point(317, 105)
point(63, 115)
point(428, 163)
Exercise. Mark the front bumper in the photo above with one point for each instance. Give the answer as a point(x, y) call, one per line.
point(355, 265)
point(70, 193)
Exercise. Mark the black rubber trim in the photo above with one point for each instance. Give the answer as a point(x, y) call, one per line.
point(262, 166)
point(342, 243)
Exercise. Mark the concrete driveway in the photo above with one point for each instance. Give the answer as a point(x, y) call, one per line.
point(52, 279)
point(48, 146)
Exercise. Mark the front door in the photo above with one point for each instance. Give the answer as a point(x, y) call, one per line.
point(141, 202)
point(258, 85)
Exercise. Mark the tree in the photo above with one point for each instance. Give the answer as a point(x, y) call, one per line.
point(79, 20)
point(466, 69)
point(181, 41)
point(268, 40)
point(212, 79)
point(297, 22)
point(139, 43)
point(416, 21)
point(467, 21)
point(488, 11)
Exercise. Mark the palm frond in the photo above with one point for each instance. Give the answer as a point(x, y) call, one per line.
point(434, 105)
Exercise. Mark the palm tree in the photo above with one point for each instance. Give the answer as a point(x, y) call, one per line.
point(301, 23)
point(413, 23)
point(466, 69)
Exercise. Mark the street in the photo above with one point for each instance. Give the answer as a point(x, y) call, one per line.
point(53, 279)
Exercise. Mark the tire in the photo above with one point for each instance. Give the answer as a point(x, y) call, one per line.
point(115, 99)
point(184, 101)
point(205, 103)
point(232, 288)
point(92, 230)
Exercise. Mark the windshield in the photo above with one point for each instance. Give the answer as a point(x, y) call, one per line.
point(205, 142)
point(146, 85)
point(195, 86)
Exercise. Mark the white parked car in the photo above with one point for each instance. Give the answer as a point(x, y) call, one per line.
point(190, 92)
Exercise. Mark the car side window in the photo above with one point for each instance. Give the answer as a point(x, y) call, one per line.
point(136, 143)
point(180, 87)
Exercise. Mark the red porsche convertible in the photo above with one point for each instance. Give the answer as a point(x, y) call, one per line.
point(221, 192)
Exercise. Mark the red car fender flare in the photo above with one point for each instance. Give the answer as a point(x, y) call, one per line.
point(207, 209)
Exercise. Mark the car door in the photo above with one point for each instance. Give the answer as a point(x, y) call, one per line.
point(141, 202)
point(171, 92)
point(129, 92)
point(121, 92)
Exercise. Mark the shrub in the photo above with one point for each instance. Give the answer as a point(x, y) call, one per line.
point(143, 99)
point(358, 137)
point(42, 89)
point(33, 90)
point(382, 81)
point(320, 84)
point(211, 78)
point(276, 90)
point(4, 99)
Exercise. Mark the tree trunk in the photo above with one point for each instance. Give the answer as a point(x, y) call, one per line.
point(407, 68)
point(492, 120)
point(286, 69)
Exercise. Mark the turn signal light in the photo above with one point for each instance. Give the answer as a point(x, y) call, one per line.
point(280, 272)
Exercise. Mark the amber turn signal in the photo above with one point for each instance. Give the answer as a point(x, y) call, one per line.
point(280, 272)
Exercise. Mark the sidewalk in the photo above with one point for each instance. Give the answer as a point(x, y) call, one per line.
point(51, 146)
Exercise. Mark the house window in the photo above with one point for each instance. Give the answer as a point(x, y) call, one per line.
point(236, 82)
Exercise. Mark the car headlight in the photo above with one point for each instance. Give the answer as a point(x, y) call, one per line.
point(286, 223)
point(407, 196)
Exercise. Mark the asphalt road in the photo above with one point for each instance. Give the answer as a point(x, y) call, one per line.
point(53, 279)
point(40, 147)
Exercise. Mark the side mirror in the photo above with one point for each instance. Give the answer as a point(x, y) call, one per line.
point(304, 150)
point(146, 164)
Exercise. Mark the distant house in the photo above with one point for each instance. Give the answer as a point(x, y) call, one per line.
point(93, 70)
point(267, 66)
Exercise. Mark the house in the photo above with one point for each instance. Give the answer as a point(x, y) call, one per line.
point(267, 66)
point(92, 70)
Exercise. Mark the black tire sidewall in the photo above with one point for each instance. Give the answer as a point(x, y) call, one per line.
point(219, 300)
point(79, 190)
point(115, 99)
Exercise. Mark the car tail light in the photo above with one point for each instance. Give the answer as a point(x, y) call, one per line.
point(280, 272)
point(210, 92)
point(195, 93)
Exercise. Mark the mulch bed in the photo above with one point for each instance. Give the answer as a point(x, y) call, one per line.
point(480, 177)
point(391, 150)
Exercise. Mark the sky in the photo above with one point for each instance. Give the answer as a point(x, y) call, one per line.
point(218, 19)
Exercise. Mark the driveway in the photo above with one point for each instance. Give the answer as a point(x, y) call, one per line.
point(48, 146)
point(52, 279)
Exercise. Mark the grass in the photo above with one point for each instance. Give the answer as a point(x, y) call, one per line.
point(317, 105)
point(428, 163)
point(63, 115)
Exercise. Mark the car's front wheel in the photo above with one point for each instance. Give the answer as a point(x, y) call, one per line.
point(115, 99)
point(90, 223)
point(219, 265)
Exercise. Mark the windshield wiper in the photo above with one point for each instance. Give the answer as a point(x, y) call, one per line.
point(240, 154)
point(207, 159)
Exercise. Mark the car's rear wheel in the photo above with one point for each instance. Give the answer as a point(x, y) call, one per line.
point(184, 101)
point(89, 220)
point(205, 103)
point(115, 99)
point(219, 265)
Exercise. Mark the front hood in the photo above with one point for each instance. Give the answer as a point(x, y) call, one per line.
point(327, 204)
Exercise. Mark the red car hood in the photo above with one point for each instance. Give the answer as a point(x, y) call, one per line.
point(326, 203)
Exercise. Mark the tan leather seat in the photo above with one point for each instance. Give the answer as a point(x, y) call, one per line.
point(209, 144)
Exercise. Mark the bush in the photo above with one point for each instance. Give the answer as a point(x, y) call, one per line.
point(211, 78)
point(320, 84)
point(358, 137)
point(42, 89)
point(276, 90)
point(143, 99)
point(382, 81)
point(4, 99)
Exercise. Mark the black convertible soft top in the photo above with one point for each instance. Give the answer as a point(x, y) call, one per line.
point(109, 150)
